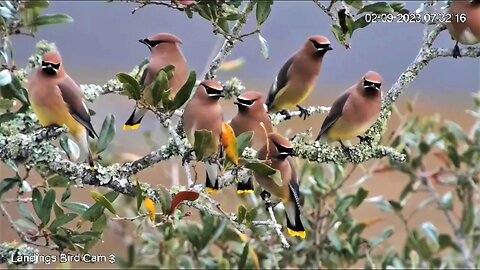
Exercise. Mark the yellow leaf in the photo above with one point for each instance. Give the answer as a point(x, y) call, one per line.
point(150, 205)
point(229, 142)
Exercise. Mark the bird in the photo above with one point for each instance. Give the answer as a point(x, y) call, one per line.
point(465, 32)
point(204, 112)
point(297, 77)
point(354, 111)
point(165, 50)
point(251, 113)
point(57, 100)
point(278, 153)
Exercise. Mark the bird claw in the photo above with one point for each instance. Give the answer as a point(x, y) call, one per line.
point(287, 115)
point(365, 139)
point(270, 205)
point(303, 112)
point(456, 51)
point(187, 157)
point(347, 151)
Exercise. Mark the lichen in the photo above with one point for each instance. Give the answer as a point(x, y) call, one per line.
point(8, 252)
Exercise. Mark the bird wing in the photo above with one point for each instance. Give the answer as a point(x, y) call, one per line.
point(72, 96)
point(280, 81)
point(335, 112)
point(293, 185)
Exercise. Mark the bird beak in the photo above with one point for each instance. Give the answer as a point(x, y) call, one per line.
point(329, 48)
point(144, 42)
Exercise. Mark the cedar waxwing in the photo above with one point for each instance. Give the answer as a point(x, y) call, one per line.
point(278, 153)
point(57, 100)
point(297, 77)
point(166, 51)
point(354, 111)
point(251, 112)
point(203, 111)
point(468, 32)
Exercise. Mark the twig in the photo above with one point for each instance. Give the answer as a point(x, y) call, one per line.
point(278, 228)
point(279, 117)
point(228, 45)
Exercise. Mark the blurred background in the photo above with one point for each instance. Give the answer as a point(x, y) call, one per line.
point(102, 41)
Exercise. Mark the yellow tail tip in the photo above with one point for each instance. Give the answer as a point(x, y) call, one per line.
point(91, 168)
point(132, 127)
point(301, 234)
point(212, 191)
point(245, 191)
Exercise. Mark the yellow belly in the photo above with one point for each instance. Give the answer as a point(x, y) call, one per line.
point(57, 116)
point(342, 130)
point(288, 98)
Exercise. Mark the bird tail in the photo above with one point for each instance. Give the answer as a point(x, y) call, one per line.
point(134, 121)
point(292, 211)
point(245, 187)
point(211, 183)
point(82, 140)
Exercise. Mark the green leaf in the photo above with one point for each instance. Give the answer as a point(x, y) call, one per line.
point(159, 87)
point(47, 206)
point(223, 24)
point(264, 47)
point(7, 184)
point(204, 11)
point(431, 232)
point(397, 6)
point(260, 168)
point(387, 233)
point(453, 155)
point(130, 85)
point(62, 241)
point(241, 214)
point(6, 117)
point(202, 141)
point(251, 215)
point(397, 207)
point(25, 212)
point(57, 210)
point(344, 204)
point(445, 241)
point(359, 197)
point(51, 19)
point(338, 33)
point(377, 7)
point(58, 181)
point(243, 258)
point(6, 104)
point(76, 207)
point(37, 201)
point(62, 220)
point(100, 199)
point(243, 141)
point(358, 4)
point(107, 133)
point(22, 223)
point(66, 194)
point(36, 3)
point(96, 210)
point(380, 202)
point(166, 101)
point(335, 241)
point(263, 10)
point(468, 218)
point(184, 93)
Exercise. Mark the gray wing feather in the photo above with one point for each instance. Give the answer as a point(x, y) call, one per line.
point(280, 81)
point(335, 113)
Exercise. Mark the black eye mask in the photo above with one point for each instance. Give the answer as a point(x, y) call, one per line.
point(321, 47)
point(369, 83)
point(55, 66)
point(152, 43)
point(212, 92)
point(245, 102)
point(284, 151)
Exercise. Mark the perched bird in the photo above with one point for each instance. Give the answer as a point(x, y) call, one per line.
point(57, 100)
point(297, 77)
point(251, 112)
point(354, 111)
point(166, 51)
point(203, 112)
point(466, 32)
point(278, 152)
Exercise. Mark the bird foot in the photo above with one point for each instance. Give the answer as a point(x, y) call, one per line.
point(365, 139)
point(287, 115)
point(456, 51)
point(347, 151)
point(303, 112)
point(270, 205)
point(187, 157)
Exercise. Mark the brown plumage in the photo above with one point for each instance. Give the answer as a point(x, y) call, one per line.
point(298, 76)
point(166, 51)
point(278, 153)
point(203, 112)
point(355, 110)
point(251, 112)
point(57, 100)
point(468, 32)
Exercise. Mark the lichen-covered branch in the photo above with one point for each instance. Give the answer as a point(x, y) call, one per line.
point(277, 118)
point(10, 251)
